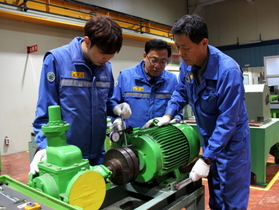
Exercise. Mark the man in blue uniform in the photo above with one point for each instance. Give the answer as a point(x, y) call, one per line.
point(212, 83)
point(78, 77)
point(146, 87)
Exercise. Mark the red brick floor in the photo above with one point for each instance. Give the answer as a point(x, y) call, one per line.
point(261, 198)
point(17, 167)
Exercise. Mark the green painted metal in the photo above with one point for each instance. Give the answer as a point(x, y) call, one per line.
point(263, 138)
point(107, 144)
point(274, 110)
point(273, 98)
point(40, 197)
point(162, 150)
point(56, 129)
point(193, 139)
point(63, 163)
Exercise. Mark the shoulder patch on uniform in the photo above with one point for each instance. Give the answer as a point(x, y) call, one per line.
point(50, 76)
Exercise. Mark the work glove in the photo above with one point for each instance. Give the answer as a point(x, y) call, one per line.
point(123, 110)
point(165, 120)
point(39, 156)
point(175, 120)
point(117, 125)
point(200, 170)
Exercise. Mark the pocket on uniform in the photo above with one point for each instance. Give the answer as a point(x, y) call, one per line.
point(209, 101)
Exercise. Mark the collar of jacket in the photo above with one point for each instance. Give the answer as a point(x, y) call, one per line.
point(211, 70)
point(78, 57)
point(141, 75)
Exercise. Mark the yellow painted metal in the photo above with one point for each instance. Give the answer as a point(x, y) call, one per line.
point(39, 20)
point(81, 12)
point(88, 191)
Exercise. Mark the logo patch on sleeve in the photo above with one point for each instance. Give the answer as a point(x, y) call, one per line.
point(50, 76)
point(77, 74)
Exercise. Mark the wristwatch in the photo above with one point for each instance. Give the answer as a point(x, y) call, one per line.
point(208, 161)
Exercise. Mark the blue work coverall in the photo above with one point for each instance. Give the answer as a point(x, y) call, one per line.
point(82, 90)
point(218, 103)
point(147, 99)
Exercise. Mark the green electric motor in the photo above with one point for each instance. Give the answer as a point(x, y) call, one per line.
point(156, 153)
point(153, 153)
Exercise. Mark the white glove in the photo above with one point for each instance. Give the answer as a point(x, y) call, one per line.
point(122, 110)
point(175, 120)
point(200, 170)
point(117, 125)
point(165, 120)
point(39, 156)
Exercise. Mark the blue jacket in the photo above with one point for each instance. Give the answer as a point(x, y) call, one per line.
point(82, 91)
point(218, 103)
point(146, 100)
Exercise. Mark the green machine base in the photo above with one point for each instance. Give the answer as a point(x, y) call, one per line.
point(264, 141)
point(16, 195)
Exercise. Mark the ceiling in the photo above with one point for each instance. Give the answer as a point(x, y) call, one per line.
point(194, 6)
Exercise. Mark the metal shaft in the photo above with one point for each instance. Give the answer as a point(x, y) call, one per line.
point(183, 183)
point(123, 127)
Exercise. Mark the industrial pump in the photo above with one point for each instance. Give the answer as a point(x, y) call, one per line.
point(150, 156)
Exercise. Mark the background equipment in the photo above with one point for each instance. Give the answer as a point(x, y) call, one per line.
point(257, 98)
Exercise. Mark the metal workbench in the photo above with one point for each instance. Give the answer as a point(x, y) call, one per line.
point(263, 138)
point(133, 196)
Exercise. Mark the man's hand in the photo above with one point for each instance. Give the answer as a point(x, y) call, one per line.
point(39, 156)
point(165, 120)
point(175, 120)
point(200, 170)
point(123, 110)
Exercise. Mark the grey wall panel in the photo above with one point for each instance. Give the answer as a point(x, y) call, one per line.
point(232, 19)
point(161, 11)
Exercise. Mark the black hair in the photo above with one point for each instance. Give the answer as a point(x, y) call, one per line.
point(193, 26)
point(105, 33)
point(157, 44)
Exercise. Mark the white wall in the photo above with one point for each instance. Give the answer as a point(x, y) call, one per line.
point(20, 74)
point(131, 54)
